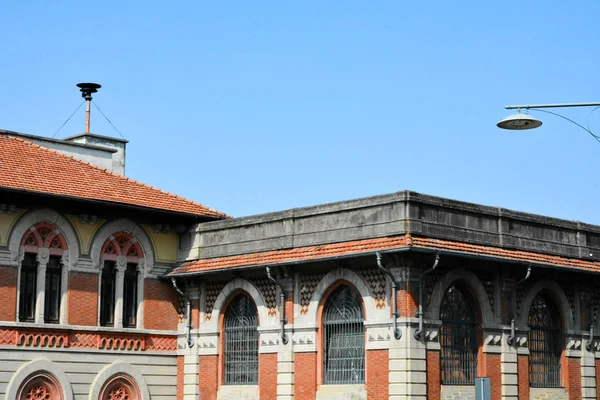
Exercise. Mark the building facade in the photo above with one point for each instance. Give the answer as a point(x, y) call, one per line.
point(115, 290)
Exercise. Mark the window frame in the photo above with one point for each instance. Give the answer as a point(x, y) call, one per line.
point(28, 275)
point(244, 361)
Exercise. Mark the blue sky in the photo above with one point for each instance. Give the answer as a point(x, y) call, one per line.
point(251, 107)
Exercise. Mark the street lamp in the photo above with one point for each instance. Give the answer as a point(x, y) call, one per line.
point(520, 121)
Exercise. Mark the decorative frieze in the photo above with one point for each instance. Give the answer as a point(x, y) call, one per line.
point(308, 284)
point(376, 279)
point(86, 340)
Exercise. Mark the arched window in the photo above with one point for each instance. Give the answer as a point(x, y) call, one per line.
point(240, 326)
point(43, 246)
point(40, 386)
point(458, 338)
point(343, 338)
point(120, 387)
point(544, 342)
point(121, 254)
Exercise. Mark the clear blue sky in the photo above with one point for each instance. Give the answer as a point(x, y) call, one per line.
point(252, 106)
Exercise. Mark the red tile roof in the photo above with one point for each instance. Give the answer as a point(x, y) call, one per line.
point(27, 166)
point(314, 253)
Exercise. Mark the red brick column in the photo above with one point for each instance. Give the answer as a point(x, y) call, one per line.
point(491, 364)
point(523, 371)
point(377, 374)
point(573, 377)
point(83, 299)
point(597, 379)
point(180, 372)
point(267, 376)
point(433, 375)
point(208, 377)
point(8, 293)
point(305, 376)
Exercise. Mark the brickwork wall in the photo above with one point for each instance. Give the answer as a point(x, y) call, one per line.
point(161, 305)
point(573, 386)
point(433, 375)
point(377, 379)
point(208, 377)
point(597, 362)
point(180, 373)
point(492, 368)
point(267, 376)
point(407, 300)
point(305, 375)
point(523, 368)
point(8, 293)
point(83, 299)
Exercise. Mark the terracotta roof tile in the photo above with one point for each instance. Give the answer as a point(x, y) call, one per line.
point(314, 253)
point(291, 255)
point(27, 166)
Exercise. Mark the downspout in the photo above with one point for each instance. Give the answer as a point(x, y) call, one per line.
point(284, 321)
point(511, 338)
point(590, 342)
point(419, 332)
point(395, 312)
point(188, 314)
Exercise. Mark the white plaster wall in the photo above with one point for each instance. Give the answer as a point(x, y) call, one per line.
point(159, 371)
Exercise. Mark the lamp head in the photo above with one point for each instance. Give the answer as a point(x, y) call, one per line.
point(518, 122)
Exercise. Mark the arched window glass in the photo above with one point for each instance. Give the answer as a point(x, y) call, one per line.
point(458, 339)
point(42, 386)
point(42, 239)
point(241, 342)
point(343, 338)
point(120, 278)
point(544, 343)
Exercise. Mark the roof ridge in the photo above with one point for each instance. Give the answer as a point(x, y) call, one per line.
point(29, 143)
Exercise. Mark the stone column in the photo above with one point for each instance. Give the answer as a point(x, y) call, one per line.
point(509, 367)
point(189, 354)
point(285, 355)
point(43, 257)
point(120, 268)
point(64, 286)
point(407, 356)
point(588, 372)
point(141, 274)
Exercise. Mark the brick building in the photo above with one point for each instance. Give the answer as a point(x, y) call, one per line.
point(396, 296)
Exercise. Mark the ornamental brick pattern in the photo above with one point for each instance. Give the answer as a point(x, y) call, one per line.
point(43, 339)
point(161, 343)
point(83, 340)
point(269, 292)
point(376, 279)
point(8, 337)
point(308, 284)
point(212, 292)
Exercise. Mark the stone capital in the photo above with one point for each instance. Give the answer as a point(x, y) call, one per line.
point(43, 256)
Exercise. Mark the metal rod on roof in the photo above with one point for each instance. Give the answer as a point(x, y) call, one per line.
point(86, 92)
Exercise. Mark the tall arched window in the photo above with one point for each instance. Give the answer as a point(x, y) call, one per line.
point(41, 386)
point(41, 269)
point(458, 338)
point(544, 342)
point(119, 280)
point(343, 338)
point(240, 327)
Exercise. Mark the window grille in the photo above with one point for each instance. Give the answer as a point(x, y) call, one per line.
point(52, 293)
point(130, 290)
point(458, 339)
point(544, 343)
point(344, 338)
point(107, 294)
point(28, 288)
point(241, 342)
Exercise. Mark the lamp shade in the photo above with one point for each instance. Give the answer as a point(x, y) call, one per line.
point(519, 122)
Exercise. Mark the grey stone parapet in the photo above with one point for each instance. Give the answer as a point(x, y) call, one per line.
point(391, 215)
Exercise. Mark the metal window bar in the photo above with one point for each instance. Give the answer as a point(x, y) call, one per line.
point(344, 338)
point(458, 339)
point(544, 344)
point(241, 342)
